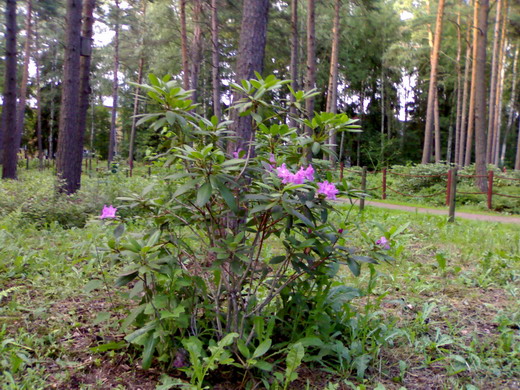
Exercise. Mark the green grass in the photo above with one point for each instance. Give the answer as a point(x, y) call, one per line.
point(451, 297)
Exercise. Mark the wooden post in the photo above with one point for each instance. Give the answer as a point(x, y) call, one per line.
point(363, 188)
point(452, 190)
point(384, 183)
point(490, 190)
point(341, 167)
point(448, 187)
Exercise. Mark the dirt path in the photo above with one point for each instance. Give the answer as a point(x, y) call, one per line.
point(476, 217)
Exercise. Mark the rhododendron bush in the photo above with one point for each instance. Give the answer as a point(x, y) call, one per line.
point(243, 239)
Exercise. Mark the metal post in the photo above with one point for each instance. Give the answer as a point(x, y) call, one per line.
point(453, 191)
point(363, 188)
point(384, 183)
point(490, 190)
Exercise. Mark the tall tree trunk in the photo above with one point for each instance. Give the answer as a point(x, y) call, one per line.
point(497, 124)
point(9, 99)
point(480, 94)
point(38, 97)
point(383, 113)
point(437, 126)
point(25, 74)
point(134, 116)
point(251, 52)
point(310, 80)
point(474, 80)
point(493, 85)
point(140, 70)
point(517, 159)
point(465, 93)
point(294, 60)
point(511, 108)
point(332, 95)
point(184, 46)
point(215, 62)
point(85, 90)
point(112, 147)
point(196, 49)
point(459, 86)
point(53, 110)
point(430, 111)
point(70, 103)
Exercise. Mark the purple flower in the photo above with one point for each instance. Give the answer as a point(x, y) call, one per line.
point(340, 231)
point(309, 173)
point(180, 360)
point(272, 159)
point(327, 189)
point(295, 178)
point(237, 153)
point(284, 174)
point(383, 243)
point(108, 212)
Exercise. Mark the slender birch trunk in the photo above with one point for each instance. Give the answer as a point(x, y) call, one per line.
point(332, 95)
point(20, 112)
point(493, 84)
point(480, 94)
point(196, 50)
point(310, 81)
point(474, 80)
point(112, 148)
point(511, 108)
point(459, 86)
point(430, 111)
point(215, 62)
point(184, 46)
point(465, 93)
point(294, 61)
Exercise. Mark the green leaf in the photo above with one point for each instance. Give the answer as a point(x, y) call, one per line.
point(316, 147)
point(101, 317)
point(277, 260)
point(262, 348)
point(203, 194)
point(112, 346)
point(186, 187)
point(355, 268)
point(364, 259)
point(228, 197)
point(126, 278)
point(132, 317)
point(361, 365)
point(141, 331)
point(243, 349)
point(263, 365)
point(94, 284)
point(119, 230)
point(154, 238)
point(293, 361)
point(149, 349)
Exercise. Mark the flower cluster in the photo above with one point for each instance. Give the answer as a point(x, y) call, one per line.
point(108, 212)
point(383, 243)
point(295, 178)
point(327, 189)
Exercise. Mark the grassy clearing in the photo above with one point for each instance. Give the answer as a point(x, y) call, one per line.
point(450, 300)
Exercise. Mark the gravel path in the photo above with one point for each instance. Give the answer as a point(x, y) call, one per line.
point(424, 210)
